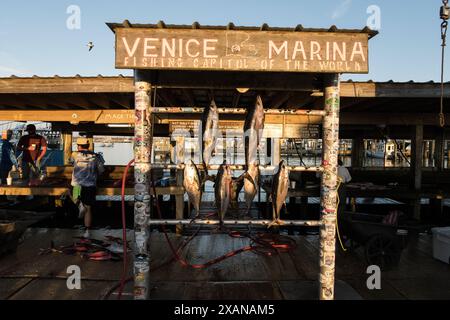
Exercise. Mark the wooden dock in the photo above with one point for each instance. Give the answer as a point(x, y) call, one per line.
point(291, 276)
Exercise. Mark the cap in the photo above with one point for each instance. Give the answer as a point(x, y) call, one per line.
point(30, 127)
point(82, 141)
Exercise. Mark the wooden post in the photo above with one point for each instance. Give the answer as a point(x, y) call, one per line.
point(142, 202)
point(276, 151)
point(358, 152)
point(416, 166)
point(328, 194)
point(67, 147)
point(439, 151)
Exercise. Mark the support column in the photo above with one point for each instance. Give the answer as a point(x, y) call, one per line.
point(416, 166)
point(328, 194)
point(439, 151)
point(67, 147)
point(358, 152)
point(142, 203)
point(276, 151)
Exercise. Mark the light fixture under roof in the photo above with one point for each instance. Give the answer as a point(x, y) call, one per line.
point(242, 90)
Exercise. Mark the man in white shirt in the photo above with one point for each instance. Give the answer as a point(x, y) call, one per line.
point(344, 178)
point(343, 173)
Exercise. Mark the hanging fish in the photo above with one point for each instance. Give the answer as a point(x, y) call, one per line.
point(223, 189)
point(210, 128)
point(280, 187)
point(253, 129)
point(236, 187)
point(251, 184)
point(193, 186)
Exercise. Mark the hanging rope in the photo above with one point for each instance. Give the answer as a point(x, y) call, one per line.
point(445, 10)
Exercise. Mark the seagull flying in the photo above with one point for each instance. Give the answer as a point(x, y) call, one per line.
point(90, 45)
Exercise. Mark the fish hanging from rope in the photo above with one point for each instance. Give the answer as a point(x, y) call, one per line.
point(253, 130)
point(280, 187)
point(210, 129)
point(193, 186)
point(223, 189)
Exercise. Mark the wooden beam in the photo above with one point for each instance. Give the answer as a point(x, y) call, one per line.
point(192, 79)
point(66, 85)
point(393, 90)
point(67, 146)
point(230, 80)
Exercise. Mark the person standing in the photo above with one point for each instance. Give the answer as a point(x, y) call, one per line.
point(34, 147)
point(344, 178)
point(87, 165)
point(8, 160)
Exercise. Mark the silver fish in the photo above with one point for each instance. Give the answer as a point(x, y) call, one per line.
point(192, 185)
point(237, 186)
point(210, 128)
point(280, 187)
point(223, 189)
point(253, 129)
point(251, 186)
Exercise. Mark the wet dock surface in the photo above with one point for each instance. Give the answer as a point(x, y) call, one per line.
point(290, 275)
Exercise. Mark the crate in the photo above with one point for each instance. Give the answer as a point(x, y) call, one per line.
point(441, 244)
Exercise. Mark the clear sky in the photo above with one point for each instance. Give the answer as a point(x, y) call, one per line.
point(34, 38)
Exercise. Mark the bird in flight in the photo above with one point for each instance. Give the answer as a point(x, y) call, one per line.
point(90, 45)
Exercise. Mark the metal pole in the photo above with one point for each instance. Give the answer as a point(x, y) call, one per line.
point(237, 167)
point(142, 204)
point(239, 111)
point(305, 223)
point(328, 201)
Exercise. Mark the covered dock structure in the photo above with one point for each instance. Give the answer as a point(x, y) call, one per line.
point(165, 95)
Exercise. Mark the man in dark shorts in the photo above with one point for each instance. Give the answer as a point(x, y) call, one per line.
point(34, 148)
point(87, 165)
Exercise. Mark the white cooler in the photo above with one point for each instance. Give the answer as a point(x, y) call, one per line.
point(441, 244)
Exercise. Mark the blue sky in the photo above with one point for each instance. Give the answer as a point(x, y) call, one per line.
point(34, 39)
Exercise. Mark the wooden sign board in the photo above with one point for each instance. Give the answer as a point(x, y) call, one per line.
point(235, 129)
point(228, 50)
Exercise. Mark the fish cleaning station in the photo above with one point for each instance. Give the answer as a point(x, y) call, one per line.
point(233, 189)
point(231, 58)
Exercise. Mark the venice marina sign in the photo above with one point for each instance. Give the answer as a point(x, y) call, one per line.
point(276, 51)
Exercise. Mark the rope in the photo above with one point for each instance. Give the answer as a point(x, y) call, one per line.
point(444, 26)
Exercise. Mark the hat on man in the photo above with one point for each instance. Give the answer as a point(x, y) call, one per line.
point(82, 141)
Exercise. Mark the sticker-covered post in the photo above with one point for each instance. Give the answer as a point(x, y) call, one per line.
point(328, 201)
point(142, 203)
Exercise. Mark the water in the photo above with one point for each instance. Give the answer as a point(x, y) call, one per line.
point(119, 154)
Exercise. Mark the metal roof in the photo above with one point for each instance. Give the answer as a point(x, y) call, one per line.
point(231, 26)
point(100, 76)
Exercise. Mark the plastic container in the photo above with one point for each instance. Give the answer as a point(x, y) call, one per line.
point(441, 244)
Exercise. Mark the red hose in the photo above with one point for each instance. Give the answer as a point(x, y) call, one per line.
point(271, 243)
point(124, 232)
